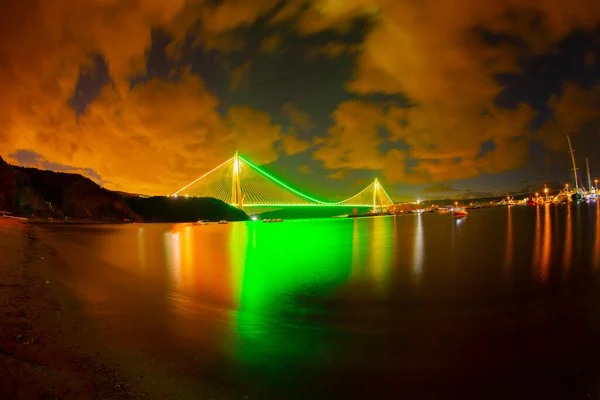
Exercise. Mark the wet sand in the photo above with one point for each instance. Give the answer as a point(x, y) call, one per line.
point(44, 343)
point(50, 348)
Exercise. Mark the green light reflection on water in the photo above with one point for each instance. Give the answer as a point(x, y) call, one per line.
point(289, 270)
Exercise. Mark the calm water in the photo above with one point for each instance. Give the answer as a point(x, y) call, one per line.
point(501, 303)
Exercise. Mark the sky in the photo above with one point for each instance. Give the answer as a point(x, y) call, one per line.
point(435, 98)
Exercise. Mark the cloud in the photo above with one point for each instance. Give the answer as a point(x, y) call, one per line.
point(575, 111)
point(590, 59)
point(32, 159)
point(271, 43)
point(218, 25)
point(353, 140)
point(341, 174)
point(238, 75)
point(435, 54)
point(299, 118)
point(438, 188)
point(151, 138)
point(305, 169)
point(443, 145)
point(333, 49)
point(472, 194)
point(291, 144)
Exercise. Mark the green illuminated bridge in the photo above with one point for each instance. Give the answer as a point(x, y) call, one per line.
point(242, 184)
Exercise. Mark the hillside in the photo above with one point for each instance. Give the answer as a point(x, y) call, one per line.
point(167, 209)
point(30, 192)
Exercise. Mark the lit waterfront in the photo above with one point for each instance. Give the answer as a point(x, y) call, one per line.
point(413, 305)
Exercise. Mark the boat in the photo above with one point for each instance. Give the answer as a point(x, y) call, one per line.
point(223, 222)
point(590, 194)
point(460, 212)
point(577, 193)
point(201, 222)
point(273, 220)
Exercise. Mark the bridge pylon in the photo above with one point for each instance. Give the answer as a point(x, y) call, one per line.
point(236, 191)
point(377, 196)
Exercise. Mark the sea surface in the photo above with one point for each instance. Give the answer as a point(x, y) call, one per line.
point(501, 304)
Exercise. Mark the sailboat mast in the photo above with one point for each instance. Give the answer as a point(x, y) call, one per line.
point(587, 166)
point(573, 159)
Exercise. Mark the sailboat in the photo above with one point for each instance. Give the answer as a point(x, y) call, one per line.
point(591, 194)
point(577, 193)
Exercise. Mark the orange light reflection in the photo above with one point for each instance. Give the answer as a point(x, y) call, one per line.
point(568, 249)
point(173, 253)
point(537, 241)
point(597, 241)
point(508, 255)
point(141, 249)
point(547, 246)
point(418, 248)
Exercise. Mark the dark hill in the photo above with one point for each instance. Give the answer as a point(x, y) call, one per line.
point(30, 192)
point(182, 209)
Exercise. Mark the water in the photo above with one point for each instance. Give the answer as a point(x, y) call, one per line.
point(501, 303)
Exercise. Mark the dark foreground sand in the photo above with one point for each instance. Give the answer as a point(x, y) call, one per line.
point(46, 350)
point(41, 339)
point(51, 349)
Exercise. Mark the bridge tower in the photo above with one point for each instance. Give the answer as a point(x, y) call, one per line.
point(236, 191)
point(377, 196)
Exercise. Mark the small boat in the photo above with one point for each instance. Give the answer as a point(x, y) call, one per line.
point(460, 213)
point(201, 222)
point(223, 222)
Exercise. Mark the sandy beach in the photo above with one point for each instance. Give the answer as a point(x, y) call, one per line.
point(46, 349)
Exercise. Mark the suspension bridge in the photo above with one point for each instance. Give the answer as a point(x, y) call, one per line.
point(240, 183)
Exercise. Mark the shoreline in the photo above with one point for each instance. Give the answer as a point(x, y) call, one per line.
point(44, 343)
point(52, 348)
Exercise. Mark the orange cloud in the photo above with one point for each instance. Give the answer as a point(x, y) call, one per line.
point(438, 188)
point(293, 145)
point(433, 53)
point(333, 49)
point(341, 174)
point(305, 169)
point(271, 43)
point(152, 138)
point(238, 75)
point(352, 143)
point(446, 145)
point(574, 112)
point(299, 118)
